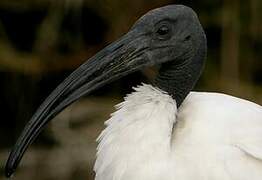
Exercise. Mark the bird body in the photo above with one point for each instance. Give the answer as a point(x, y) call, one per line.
point(211, 136)
point(161, 131)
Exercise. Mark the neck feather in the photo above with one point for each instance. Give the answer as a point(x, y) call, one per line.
point(137, 137)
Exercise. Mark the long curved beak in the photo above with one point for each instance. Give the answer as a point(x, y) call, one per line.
point(116, 60)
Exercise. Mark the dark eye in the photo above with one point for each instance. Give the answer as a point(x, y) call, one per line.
point(163, 32)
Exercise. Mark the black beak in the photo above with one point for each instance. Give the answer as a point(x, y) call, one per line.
point(120, 58)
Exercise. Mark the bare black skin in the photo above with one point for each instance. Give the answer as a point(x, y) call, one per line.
point(170, 36)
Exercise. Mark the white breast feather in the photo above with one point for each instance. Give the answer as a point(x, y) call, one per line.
point(136, 143)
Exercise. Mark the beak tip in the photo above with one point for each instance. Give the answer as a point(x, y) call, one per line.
point(8, 171)
point(10, 168)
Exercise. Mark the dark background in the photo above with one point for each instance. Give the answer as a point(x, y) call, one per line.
point(42, 41)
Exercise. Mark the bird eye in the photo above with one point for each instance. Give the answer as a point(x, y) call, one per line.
point(163, 32)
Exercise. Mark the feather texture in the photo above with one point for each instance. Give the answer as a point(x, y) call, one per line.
point(137, 139)
point(212, 136)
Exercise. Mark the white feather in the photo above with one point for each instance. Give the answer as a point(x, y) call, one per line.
point(211, 137)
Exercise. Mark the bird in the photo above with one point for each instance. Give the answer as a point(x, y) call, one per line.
point(164, 129)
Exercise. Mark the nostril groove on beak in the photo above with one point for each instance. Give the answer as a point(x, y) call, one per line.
point(118, 47)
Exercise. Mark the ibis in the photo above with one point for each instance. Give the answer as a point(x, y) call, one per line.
point(162, 130)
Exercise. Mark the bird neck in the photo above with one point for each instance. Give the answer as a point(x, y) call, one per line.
point(178, 77)
point(137, 136)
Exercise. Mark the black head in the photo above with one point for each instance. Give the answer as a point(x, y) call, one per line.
point(170, 36)
point(175, 40)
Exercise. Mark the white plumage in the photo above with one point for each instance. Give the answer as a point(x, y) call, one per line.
point(211, 136)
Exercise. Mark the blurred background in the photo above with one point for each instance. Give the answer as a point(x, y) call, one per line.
point(42, 41)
